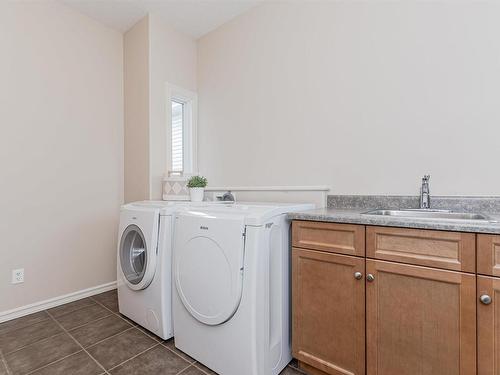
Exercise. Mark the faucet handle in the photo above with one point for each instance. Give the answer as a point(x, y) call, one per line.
point(426, 177)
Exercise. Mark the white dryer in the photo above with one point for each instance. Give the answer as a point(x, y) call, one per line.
point(231, 301)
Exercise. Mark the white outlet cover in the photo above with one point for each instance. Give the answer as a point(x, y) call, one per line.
point(18, 276)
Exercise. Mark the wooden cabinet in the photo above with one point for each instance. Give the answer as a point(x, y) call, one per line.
point(488, 325)
point(328, 295)
point(414, 311)
point(419, 320)
point(448, 250)
point(336, 238)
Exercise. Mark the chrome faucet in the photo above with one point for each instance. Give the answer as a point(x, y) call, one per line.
point(425, 194)
point(228, 197)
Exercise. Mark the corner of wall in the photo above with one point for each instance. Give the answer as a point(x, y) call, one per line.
point(136, 78)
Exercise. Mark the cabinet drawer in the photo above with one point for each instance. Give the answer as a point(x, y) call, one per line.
point(335, 238)
point(449, 250)
point(488, 254)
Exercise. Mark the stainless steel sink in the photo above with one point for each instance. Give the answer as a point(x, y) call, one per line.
point(431, 214)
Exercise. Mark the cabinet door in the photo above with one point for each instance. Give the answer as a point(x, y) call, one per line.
point(488, 325)
point(328, 304)
point(420, 321)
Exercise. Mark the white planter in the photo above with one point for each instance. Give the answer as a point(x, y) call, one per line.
point(197, 194)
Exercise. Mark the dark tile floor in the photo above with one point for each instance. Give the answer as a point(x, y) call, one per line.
point(90, 337)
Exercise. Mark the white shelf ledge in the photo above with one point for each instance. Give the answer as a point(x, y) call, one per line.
point(267, 188)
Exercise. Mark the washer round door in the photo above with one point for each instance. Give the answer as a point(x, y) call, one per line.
point(136, 260)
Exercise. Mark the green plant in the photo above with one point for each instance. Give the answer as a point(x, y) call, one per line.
point(197, 182)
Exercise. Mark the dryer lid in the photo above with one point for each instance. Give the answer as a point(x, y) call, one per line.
point(254, 213)
point(208, 265)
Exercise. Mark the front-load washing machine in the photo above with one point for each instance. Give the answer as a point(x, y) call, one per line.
point(231, 300)
point(144, 265)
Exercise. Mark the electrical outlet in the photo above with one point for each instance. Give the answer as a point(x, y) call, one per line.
point(18, 276)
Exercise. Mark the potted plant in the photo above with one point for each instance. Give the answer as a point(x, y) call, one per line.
point(196, 185)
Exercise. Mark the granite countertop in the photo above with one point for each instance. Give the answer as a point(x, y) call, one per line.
point(354, 215)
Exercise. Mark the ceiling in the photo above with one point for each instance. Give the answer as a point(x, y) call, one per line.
point(193, 17)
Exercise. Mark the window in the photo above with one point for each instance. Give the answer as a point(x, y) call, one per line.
point(182, 129)
point(177, 136)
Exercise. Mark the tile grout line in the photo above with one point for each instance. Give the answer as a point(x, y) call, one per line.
point(80, 345)
point(111, 311)
point(49, 316)
point(92, 321)
point(58, 333)
point(177, 354)
point(199, 368)
point(51, 363)
point(27, 325)
point(150, 335)
point(145, 332)
point(184, 369)
point(4, 361)
point(34, 342)
point(116, 314)
point(69, 312)
point(102, 304)
point(116, 334)
point(133, 325)
point(138, 354)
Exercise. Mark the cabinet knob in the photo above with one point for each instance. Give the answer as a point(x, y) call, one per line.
point(485, 299)
point(358, 275)
point(370, 277)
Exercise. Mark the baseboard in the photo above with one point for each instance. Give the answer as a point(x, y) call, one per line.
point(56, 301)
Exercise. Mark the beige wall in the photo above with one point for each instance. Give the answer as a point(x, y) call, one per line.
point(363, 96)
point(155, 55)
point(61, 151)
point(172, 60)
point(136, 99)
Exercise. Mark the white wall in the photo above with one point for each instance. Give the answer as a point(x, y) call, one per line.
point(363, 96)
point(172, 60)
point(136, 111)
point(61, 151)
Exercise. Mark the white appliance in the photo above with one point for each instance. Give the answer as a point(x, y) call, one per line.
point(231, 301)
point(144, 264)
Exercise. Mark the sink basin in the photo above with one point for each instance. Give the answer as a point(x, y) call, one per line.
point(431, 214)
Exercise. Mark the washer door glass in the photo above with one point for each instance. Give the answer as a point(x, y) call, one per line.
point(133, 254)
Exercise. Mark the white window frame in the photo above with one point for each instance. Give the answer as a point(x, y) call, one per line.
point(190, 127)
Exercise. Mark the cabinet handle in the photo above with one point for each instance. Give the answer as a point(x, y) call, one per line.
point(358, 275)
point(370, 277)
point(485, 299)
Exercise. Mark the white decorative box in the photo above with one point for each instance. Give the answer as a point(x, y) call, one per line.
point(175, 186)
